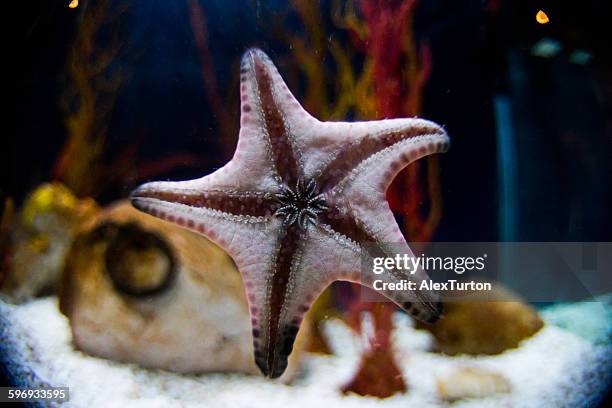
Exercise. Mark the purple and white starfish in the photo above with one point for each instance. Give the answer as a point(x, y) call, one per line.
point(297, 204)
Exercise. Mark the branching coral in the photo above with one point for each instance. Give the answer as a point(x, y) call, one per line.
point(94, 80)
point(95, 76)
point(378, 374)
point(400, 69)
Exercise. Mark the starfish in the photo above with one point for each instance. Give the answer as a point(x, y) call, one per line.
point(298, 204)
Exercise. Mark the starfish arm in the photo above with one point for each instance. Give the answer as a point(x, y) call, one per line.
point(336, 149)
point(325, 256)
point(317, 261)
point(269, 112)
point(221, 224)
point(255, 244)
point(366, 204)
point(264, 152)
point(346, 232)
point(269, 293)
point(424, 305)
point(376, 171)
point(362, 192)
point(245, 203)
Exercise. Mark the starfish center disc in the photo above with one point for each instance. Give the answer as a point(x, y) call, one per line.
point(300, 204)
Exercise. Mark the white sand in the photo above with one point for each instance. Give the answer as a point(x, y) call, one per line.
point(555, 368)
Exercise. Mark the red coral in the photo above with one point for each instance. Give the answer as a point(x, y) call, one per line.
point(400, 71)
point(378, 373)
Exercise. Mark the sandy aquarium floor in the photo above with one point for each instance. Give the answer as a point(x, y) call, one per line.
point(555, 368)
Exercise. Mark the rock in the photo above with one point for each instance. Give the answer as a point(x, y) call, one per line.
point(141, 290)
point(41, 236)
point(484, 323)
point(469, 382)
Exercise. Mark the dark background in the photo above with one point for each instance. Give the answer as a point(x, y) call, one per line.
point(560, 113)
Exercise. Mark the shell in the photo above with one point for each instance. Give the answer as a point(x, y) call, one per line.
point(471, 382)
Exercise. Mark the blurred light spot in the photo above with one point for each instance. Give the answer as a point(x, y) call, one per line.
point(541, 17)
point(74, 4)
point(546, 48)
point(580, 57)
